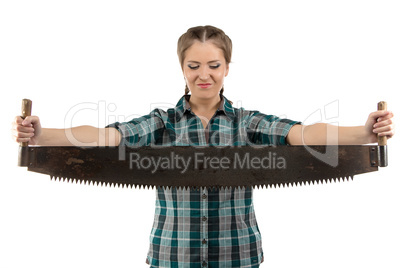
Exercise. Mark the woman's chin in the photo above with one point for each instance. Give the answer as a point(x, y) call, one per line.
point(205, 93)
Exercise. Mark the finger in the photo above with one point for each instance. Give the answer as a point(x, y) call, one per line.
point(383, 123)
point(382, 130)
point(24, 129)
point(385, 117)
point(19, 134)
point(388, 134)
point(22, 139)
point(18, 120)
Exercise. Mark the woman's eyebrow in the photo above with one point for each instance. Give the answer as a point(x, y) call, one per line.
point(193, 61)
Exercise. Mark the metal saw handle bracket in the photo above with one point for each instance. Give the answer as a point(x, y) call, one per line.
point(382, 141)
point(23, 155)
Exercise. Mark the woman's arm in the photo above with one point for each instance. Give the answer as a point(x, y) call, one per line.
point(30, 130)
point(378, 123)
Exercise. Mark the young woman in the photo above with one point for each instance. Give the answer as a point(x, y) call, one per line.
point(205, 228)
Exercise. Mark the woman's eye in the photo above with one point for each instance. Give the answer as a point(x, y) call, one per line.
point(193, 67)
point(214, 66)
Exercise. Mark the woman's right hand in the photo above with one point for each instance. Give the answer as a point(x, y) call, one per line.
point(26, 130)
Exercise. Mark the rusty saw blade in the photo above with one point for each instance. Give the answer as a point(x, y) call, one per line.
point(185, 166)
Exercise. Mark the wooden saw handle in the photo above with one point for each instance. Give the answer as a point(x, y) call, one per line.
point(23, 154)
point(26, 109)
point(382, 140)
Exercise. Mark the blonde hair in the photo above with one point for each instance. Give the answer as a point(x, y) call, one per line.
point(204, 34)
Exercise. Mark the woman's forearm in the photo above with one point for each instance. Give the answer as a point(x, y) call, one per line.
point(327, 134)
point(79, 136)
point(379, 123)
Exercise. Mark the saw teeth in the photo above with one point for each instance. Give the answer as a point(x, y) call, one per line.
point(299, 182)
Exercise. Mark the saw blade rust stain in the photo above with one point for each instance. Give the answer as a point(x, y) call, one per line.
point(73, 160)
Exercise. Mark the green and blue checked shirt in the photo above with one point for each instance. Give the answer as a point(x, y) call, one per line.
point(204, 228)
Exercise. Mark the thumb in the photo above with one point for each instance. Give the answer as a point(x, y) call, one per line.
point(30, 121)
point(379, 114)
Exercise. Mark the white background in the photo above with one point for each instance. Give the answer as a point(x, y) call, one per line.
point(290, 58)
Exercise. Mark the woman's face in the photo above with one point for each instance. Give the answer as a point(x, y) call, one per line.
point(204, 69)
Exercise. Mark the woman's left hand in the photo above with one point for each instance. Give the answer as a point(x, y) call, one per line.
point(380, 123)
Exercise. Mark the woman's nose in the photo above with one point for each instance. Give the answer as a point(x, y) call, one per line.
point(204, 73)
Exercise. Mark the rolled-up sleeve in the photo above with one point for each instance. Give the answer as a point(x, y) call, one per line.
point(141, 131)
point(268, 129)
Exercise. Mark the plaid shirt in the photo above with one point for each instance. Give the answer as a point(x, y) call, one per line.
point(204, 228)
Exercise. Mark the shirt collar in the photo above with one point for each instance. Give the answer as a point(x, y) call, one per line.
point(183, 106)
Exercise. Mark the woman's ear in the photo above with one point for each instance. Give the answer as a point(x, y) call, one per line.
point(227, 70)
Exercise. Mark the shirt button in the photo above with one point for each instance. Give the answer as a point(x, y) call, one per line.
point(204, 218)
point(204, 264)
point(204, 196)
point(204, 241)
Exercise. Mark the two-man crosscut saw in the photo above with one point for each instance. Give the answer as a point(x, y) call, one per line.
point(210, 166)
